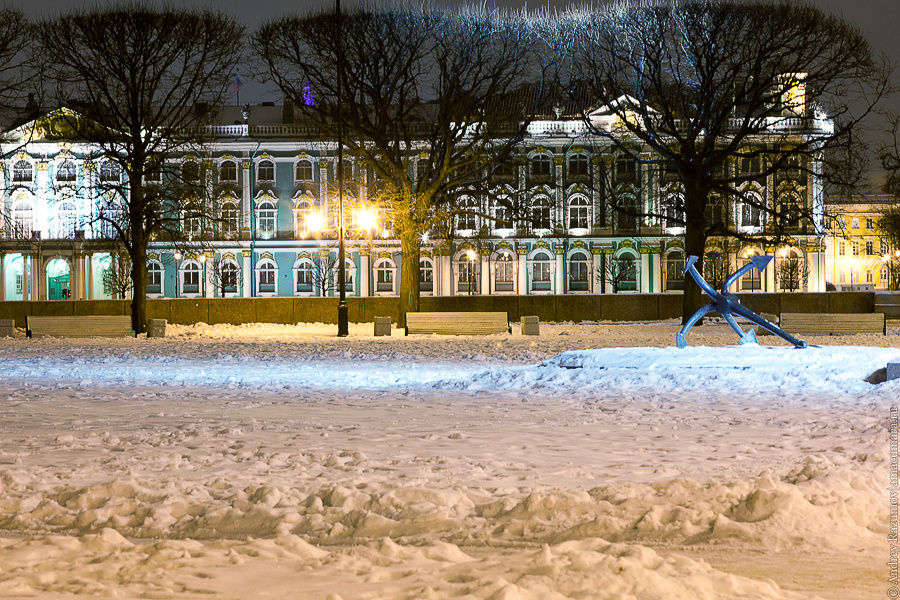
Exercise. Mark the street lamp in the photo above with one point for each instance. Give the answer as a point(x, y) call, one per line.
point(342, 316)
point(177, 257)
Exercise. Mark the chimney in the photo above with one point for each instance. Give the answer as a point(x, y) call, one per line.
point(287, 112)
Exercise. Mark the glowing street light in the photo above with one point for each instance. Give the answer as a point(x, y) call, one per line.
point(315, 222)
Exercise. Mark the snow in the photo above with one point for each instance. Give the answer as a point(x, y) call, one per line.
point(279, 461)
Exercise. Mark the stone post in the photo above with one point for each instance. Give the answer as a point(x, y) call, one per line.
point(522, 275)
point(246, 274)
point(485, 271)
point(364, 272)
point(560, 275)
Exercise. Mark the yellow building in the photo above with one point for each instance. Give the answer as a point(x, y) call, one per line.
point(856, 256)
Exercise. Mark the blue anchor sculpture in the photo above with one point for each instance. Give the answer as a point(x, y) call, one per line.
point(727, 304)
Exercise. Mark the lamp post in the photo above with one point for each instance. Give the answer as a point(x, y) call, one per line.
point(342, 316)
point(177, 257)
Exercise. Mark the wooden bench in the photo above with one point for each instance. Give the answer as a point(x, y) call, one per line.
point(833, 323)
point(87, 326)
point(457, 323)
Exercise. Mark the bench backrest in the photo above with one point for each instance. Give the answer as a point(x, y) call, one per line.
point(86, 326)
point(457, 323)
point(832, 322)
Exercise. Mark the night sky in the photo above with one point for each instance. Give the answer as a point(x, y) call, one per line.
point(878, 20)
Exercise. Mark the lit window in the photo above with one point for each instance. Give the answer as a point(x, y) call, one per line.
point(579, 213)
point(23, 219)
point(467, 217)
point(675, 271)
point(266, 275)
point(426, 275)
point(228, 277)
point(303, 275)
point(504, 273)
point(266, 217)
point(190, 273)
point(540, 272)
point(231, 217)
point(66, 217)
point(154, 277)
point(384, 276)
point(579, 272)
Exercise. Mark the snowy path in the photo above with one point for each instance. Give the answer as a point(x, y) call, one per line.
point(441, 467)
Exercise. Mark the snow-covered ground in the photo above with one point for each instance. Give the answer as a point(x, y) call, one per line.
point(590, 462)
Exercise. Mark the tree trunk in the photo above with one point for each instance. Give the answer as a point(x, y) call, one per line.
point(694, 245)
point(409, 275)
point(139, 287)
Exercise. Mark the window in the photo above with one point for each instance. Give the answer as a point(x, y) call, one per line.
point(349, 269)
point(842, 248)
point(855, 247)
point(154, 277)
point(303, 223)
point(228, 277)
point(750, 214)
point(540, 213)
point(854, 224)
point(384, 275)
point(540, 272)
point(231, 218)
point(303, 171)
point(228, 171)
point(503, 214)
point(870, 276)
point(503, 273)
point(266, 220)
point(303, 276)
point(673, 210)
point(870, 223)
point(423, 169)
point(540, 167)
point(266, 275)
point(153, 174)
point(467, 218)
point(675, 270)
point(22, 172)
point(870, 248)
point(426, 275)
point(110, 172)
point(192, 222)
point(750, 165)
point(23, 219)
point(66, 172)
point(190, 277)
point(505, 171)
point(467, 273)
point(66, 217)
point(626, 169)
point(625, 273)
point(190, 171)
point(578, 166)
point(111, 216)
point(627, 210)
point(579, 213)
point(265, 171)
point(751, 281)
point(579, 267)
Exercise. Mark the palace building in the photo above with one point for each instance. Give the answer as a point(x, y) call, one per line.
point(274, 183)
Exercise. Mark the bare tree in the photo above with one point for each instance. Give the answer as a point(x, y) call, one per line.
point(143, 83)
point(615, 272)
point(432, 101)
point(723, 95)
point(791, 272)
point(225, 275)
point(116, 277)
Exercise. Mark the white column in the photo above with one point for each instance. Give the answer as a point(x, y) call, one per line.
point(89, 288)
point(2, 277)
point(245, 196)
point(209, 274)
point(446, 276)
point(523, 274)
point(769, 275)
point(246, 275)
point(364, 274)
point(560, 279)
point(645, 273)
point(485, 274)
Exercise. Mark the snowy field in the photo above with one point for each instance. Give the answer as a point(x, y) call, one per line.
point(591, 462)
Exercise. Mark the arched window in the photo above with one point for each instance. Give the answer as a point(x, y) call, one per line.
point(227, 275)
point(541, 209)
point(190, 277)
point(66, 218)
point(154, 277)
point(349, 270)
point(304, 271)
point(673, 211)
point(266, 216)
point(22, 172)
point(426, 275)
point(627, 208)
point(467, 217)
point(23, 219)
point(111, 218)
point(626, 169)
point(190, 171)
point(579, 272)
point(66, 172)
point(675, 270)
point(467, 272)
point(624, 273)
point(751, 281)
point(228, 171)
point(265, 171)
point(579, 215)
point(540, 167)
point(578, 166)
point(110, 172)
point(540, 272)
point(303, 171)
point(504, 273)
point(303, 225)
point(231, 219)
point(266, 276)
point(503, 214)
point(384, 275)
point(192, 222)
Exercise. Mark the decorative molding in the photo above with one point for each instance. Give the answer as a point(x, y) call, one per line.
point(245, 164)
point(266, 255)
